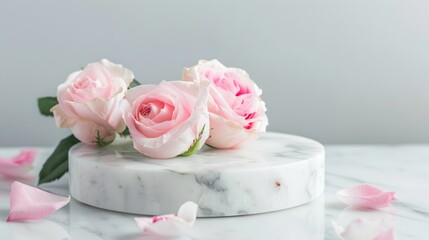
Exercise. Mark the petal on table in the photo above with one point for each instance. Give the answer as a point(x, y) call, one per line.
point(30, 203)
point(188, 212)
point(366, 196)
point(170, 225)
point(19, 165)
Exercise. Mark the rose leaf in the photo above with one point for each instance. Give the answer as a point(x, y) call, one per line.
point(134, 84)
point(45, 104)
point(194, 147)
point(125, 133)
point(57, 164)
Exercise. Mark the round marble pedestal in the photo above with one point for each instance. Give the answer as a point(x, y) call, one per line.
point(275, 172)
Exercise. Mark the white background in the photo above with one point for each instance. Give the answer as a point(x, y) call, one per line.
point(337, 71)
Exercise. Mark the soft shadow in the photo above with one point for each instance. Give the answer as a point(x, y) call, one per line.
point(3, 214)
point(143, 236)
point(355, 223)
point(334, 205)
point(5, 183)
point(37, 230)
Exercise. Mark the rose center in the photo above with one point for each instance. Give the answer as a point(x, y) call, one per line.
point(86, 83)
point(145, 110)
point(228, 81)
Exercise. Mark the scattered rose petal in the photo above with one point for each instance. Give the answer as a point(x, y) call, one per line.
point(170, 225)
point(364, 229)
point(19, 165)
point(30, 203)
point(366, 196)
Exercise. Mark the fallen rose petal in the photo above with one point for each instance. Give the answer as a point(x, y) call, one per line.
point(30, 203)
point(19, 165)
point(364, 229)
point(366, 196)
point(188, 212)
point(170, 225)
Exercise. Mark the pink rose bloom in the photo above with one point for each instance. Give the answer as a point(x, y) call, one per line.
point(168, 119)
point(237, 112)
point(89, 102)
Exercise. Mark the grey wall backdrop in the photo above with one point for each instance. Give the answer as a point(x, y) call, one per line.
point(337, 71)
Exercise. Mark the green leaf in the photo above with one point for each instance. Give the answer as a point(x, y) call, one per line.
point(57, 164)
point(45, 104)
point(194, 147)
point(125, 133)
point(100, 141)
point(134, 84)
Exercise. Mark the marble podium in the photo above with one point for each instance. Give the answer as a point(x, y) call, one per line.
point(275, 172)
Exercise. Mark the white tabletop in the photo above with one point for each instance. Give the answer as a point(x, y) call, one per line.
point(400, 168)
point(275, 172)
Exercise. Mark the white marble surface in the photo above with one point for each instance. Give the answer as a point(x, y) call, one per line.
point(277, 171)
point(402, 168)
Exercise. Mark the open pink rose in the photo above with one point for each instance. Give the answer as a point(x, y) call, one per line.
point(168, 119)
point(237, 112)
point(89, 102)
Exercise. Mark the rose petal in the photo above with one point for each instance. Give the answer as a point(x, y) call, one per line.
point(62, 120)
point(92, 134)
point(119, 72)
point(188, 212)
point(366, 196)
point(170, 225)
point(30, 203)
point(229, 134)
point(19, 165)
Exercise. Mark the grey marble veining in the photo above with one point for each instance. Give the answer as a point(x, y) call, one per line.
point(400, 168)
point(275, 172)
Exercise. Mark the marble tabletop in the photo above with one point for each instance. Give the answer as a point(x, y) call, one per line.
point(275, 172)
point(400, 168)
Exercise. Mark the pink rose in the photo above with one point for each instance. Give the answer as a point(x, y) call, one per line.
point(89, 102)
point(168, 119)
point(237, 112)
